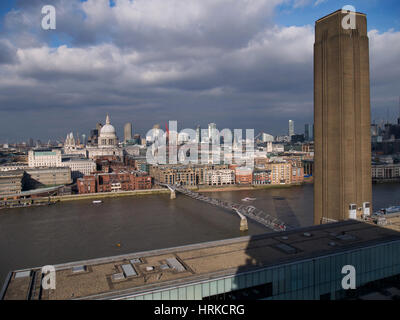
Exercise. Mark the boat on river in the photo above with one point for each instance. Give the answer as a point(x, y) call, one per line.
point(388, 211)
point(249, 199)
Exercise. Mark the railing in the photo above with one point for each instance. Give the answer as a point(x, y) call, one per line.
point(248, 211)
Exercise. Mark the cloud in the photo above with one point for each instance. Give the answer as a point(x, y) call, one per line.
point(385, 70)
point(318, 2)
point(150, 61)
point(301, 3)
point(7, 52)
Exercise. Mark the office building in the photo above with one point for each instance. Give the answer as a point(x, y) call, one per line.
point(291, 128)
point(261, 177)
point(44, 158)
point(187, 175)
point(296, 138)
point(385, 172)
point(11, 182)
point(198, 134)
point(307, 136)
point(79, 167)
point(267, 137)
point(243, 175)
point(213, 136)
point(46, 177)
point(219, 177)
point(280, 172)
point(114, 182)
point(127, 132)
point(342, 169)
point(10, 166)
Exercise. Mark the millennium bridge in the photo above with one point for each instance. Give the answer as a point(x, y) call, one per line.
point(243, 211)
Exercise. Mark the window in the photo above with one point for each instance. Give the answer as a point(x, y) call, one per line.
point(258, 292)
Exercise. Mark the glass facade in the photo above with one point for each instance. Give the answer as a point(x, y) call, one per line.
point(311, 279)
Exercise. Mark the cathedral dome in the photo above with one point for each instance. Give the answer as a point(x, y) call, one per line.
point(108, 136)
point(107, 129)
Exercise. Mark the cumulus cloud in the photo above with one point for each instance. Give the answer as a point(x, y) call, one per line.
point(150, 61)
point(385, 70)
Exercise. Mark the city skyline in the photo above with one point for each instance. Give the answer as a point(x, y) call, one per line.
point(188, 209)
point(60, 80)
point(121, 132)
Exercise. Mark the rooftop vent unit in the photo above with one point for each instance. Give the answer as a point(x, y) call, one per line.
point(128, 270)
point(164, 267)
point(175, 264)
point(135, 261)
point(78, 269)
point(118, 276)
point(286, 248)
point(23, 274)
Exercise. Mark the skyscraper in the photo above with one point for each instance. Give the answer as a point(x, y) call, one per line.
point(307, 132)
point(398, 119)
point(198, 135)
point(127, 132)
point(342, 175)
point(212, 133)
point(291, 128)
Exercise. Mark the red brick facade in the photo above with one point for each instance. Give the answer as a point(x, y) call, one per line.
point(262, 177)
point(297, 174)
point(243, 175)
point(108, 182)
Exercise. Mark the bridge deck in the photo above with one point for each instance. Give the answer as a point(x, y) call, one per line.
point(250, 212)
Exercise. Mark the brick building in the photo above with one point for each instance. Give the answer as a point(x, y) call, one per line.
point(281, 172)
point(297, 174)
point(188, 175)
point(219, 177)
point(114, 182)
point(262, 177)
point(243, 175)
point(11, 182)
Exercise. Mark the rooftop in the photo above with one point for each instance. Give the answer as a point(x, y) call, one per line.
point(137, 273)
point(12, 173)
point(32, 192)
point(45, 153)
point(338, 12)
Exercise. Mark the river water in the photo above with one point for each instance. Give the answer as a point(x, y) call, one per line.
point(79, 230)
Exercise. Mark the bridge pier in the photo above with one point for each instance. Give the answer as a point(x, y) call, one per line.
point(173, 195)
point(243, 224)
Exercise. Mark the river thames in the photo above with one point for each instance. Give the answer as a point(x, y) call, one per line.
point(79, 230)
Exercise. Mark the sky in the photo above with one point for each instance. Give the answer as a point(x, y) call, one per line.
point(242, 64)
